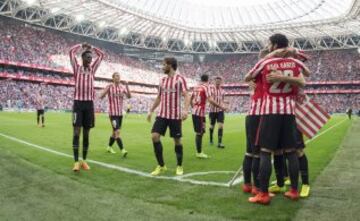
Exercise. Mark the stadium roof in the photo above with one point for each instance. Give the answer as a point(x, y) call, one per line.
point(198, 26)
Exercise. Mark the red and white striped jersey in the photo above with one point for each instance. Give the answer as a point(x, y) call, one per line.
point(279, 97)
point(170, 91)
point(256, 97)
point(116, 95)
point(40, 102)
point(199, 96)
point(84, 77)
point(218, 95)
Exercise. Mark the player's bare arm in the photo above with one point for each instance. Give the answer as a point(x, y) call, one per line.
point(213, 102)
point(264, 51)
point(306, 71)
point(276, 76)
point(128, 93)
point(248, 77)
point(252, 85)
point(191, 100)
point(186, 105)
point(152, 109)
point(105, 92)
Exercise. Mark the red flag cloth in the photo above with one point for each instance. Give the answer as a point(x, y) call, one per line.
point(310, 117)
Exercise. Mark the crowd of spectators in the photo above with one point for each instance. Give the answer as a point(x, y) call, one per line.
point(20, 43)
point(21, 94)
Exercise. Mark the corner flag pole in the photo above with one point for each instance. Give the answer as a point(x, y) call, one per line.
point(237, 174)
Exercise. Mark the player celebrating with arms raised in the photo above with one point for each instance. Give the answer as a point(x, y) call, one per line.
point(171, 88)
point(83, 108)
point(116, 92)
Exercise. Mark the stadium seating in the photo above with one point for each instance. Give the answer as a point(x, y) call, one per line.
point(51, 53)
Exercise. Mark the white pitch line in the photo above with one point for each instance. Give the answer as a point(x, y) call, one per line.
point(124, 169)
point(204, 173)
point(318, 135)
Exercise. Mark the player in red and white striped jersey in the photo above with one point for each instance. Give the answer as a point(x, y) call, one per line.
point(171, 89)
point(40, 109)
point(281, 171)
point(83, 109)
point(116, 92)
point(200, 95)
point(251, 159)
point(217, 114)
point(280, 77)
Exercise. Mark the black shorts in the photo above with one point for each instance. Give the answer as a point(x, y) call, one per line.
point(116, 122)
point(299, 140)
point(161, 124)
point(40, 112)
point(199, 124)
point(277, 132)
point(251, 128)
point(83, 114)
point(216, 117)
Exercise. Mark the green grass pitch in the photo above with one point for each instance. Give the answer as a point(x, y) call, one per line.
point(38, 185)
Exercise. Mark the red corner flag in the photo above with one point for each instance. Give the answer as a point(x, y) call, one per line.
point(310, 117)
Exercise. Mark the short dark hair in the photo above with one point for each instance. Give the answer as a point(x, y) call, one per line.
point(85, 52)
point(280, 40)
point(171, 61)
point(204, 78)
point(218, 77)
point(115, 74)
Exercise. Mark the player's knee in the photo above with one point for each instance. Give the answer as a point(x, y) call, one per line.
point(177, 141)
point(116, 133)
point(155, 137)
point(221, 125)
point(86, 131)
point(77, 131)
point(300, 152)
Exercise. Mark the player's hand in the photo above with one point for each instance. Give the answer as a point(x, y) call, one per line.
point(290, 52)
point(226, 109)
point(274, 76)
point(148, 118)
point(252, 85)
point(86, 46)
point(184, 115)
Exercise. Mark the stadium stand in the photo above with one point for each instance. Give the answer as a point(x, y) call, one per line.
point(31, 62)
